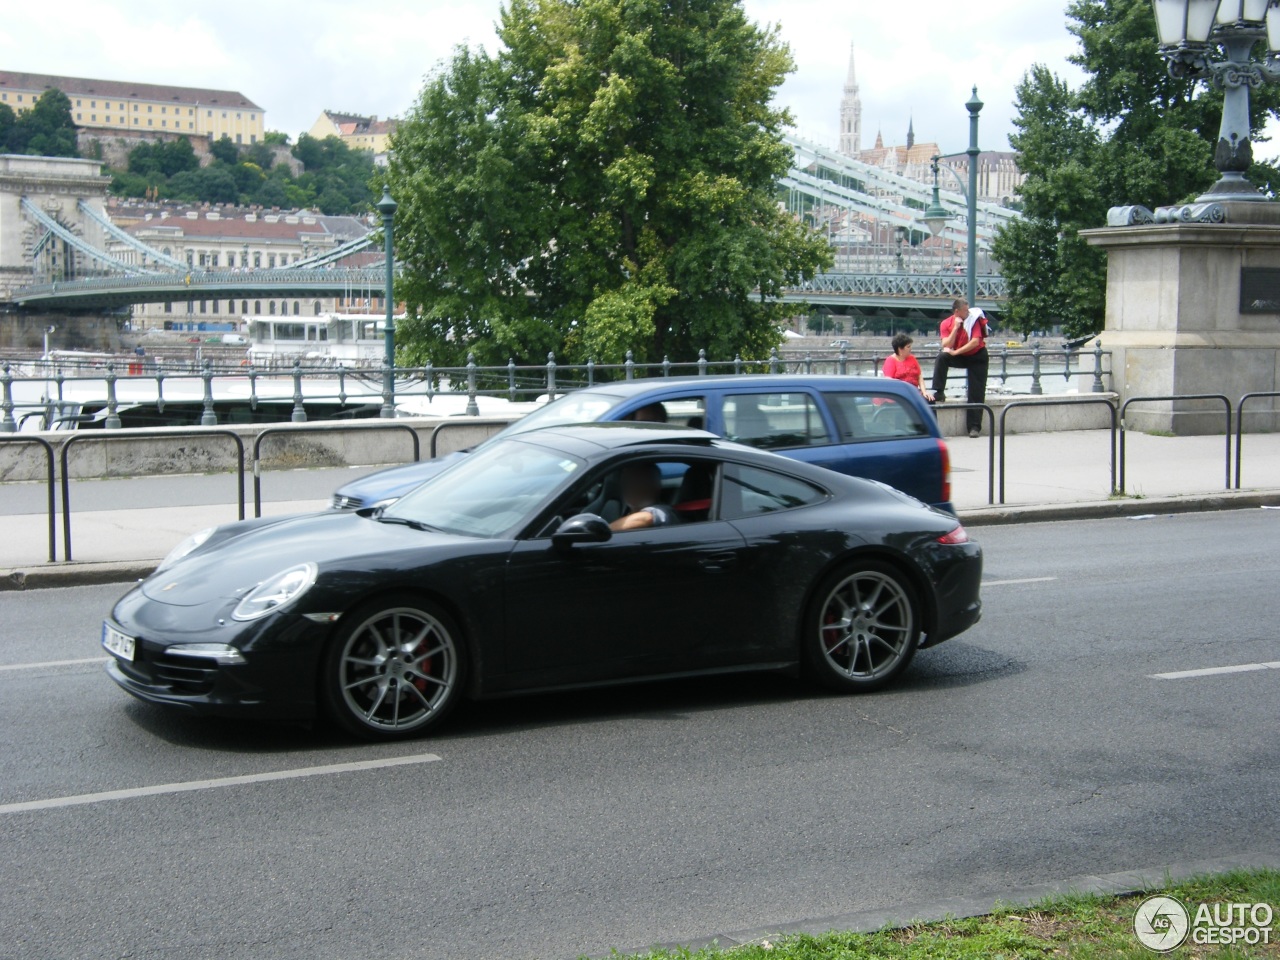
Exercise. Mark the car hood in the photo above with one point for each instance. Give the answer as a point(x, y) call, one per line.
point(395, 482)
point(240, 556)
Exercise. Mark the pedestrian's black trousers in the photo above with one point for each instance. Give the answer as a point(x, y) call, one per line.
point(976, 364)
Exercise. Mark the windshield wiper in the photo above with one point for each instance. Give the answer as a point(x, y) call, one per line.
point(405, 521)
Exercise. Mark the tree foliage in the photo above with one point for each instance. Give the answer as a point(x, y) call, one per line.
point(605, 182)
point(1130, 134)
point(335, 177)
point(45, 130)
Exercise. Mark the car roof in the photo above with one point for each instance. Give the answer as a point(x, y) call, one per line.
point(611, 435)
point(631, 388)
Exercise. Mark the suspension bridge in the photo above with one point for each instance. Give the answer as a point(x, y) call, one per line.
point(53, 212)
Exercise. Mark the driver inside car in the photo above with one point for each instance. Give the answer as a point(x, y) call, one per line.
point(641, 485)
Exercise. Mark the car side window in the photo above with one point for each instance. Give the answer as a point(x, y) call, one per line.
point(680, 412)
point(683, 489)
point(750, 492)
point(875, 416)
point(774, 421)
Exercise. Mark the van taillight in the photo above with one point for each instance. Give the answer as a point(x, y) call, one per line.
point(946, 471)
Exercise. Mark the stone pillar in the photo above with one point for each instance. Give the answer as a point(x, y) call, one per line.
point(1194, 307)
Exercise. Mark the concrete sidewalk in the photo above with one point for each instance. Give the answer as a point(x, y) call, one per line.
point(1047, 476)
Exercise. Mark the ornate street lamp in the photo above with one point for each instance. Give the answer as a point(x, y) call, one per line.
point(387, 207)
point(936, 216)
point(1214, 40)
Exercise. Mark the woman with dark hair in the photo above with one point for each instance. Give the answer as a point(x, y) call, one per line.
point(904, 366)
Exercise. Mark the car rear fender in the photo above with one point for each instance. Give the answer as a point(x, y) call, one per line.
point(914, 576)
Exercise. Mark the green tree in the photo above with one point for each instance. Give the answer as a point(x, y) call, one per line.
point(7, 121)
point(1131, 134)
point(45, 130)
point(606, 182)
point(223, 149)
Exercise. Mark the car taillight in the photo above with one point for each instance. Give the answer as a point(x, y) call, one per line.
point(946, 472)
point(958, 535)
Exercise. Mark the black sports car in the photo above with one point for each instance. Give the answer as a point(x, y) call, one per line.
point(564, 557)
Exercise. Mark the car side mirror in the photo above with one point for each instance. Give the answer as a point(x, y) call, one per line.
point(583, 528)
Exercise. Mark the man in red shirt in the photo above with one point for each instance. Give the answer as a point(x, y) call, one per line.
point(964, 345)
point(904, 366)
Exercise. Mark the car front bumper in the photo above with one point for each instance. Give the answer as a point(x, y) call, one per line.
point(269, 684)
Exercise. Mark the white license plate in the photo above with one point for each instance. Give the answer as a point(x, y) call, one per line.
point(116, 642)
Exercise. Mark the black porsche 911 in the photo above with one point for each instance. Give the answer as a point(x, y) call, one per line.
point(566, 557)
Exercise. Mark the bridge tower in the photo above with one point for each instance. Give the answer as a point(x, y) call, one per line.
point(30, 250)
point(55, 185)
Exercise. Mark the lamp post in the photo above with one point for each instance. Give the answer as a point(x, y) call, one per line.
point(387, 207)
point(900, 234)
point(935, 215)
point(1214, 40)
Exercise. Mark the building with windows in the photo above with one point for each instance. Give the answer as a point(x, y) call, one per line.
point(230, 238)
point(142, 108)
point(357, 132)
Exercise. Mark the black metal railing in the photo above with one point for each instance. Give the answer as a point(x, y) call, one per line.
point(281, 431)
point(1173, 398)
point(997, 465)
point(51, 509)
point(1273, 394)
point(1062, 402)
point(180, 435)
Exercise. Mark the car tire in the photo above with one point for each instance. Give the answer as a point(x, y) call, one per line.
point(393, 669)
point(862, 628)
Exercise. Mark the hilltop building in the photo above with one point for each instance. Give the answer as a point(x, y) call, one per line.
point(131, 107)
point(356, 131)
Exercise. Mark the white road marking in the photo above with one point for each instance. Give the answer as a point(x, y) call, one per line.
point(1214, 671)
point(158, 789)
point(52, 663)
point(1005, 583)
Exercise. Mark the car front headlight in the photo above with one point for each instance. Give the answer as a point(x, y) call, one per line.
point(276, 592)
point(187, 546)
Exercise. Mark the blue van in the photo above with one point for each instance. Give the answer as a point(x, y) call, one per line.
point(868, 427)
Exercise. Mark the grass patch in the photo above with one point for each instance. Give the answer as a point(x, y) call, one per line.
point(1074, 927)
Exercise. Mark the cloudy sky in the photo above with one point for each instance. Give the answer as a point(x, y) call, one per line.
point(295, 59)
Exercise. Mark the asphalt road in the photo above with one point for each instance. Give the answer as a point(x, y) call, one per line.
point(1037, 746)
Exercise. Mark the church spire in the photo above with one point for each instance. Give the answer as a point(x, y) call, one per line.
point(911, 133)
point(851, 112)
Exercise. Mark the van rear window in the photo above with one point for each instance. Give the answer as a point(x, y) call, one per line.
point(875, 416)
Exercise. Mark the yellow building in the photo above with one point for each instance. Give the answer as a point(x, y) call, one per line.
point(142, 107)
point(357, 132)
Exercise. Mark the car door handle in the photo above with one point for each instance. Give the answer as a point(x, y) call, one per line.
point(717, 562)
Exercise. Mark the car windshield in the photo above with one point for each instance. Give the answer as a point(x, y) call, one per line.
point(487, 493)
point(582, 406)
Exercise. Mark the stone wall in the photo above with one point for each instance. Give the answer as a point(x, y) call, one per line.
point(121, 453)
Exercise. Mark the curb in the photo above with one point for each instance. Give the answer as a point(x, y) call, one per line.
point(76, 574)
point(1124, 883)
point(1103, 509)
